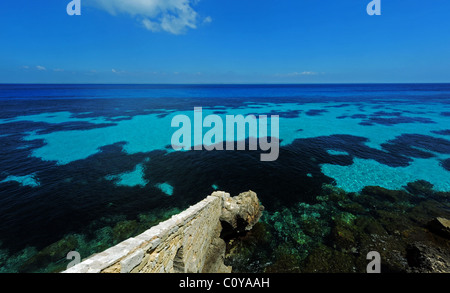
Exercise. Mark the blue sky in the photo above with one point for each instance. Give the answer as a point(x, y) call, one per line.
point(224, 41)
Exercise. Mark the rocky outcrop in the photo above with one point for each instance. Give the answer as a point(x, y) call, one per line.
point(336, 233)
point(420, 187)
point(423, 258)
point(440, 226)
point(188, 242)
point(241, 212)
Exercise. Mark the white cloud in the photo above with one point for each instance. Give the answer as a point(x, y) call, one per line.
point(115, 71)
point(308, 73)
point(304, 73)
point(173, 16)
point(150, 25)
point(41, 68)
point(207, 19)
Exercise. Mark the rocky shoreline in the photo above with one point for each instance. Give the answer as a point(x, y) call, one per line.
point(333, 234)
point(409, 228)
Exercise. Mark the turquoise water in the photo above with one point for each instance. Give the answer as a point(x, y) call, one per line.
point(133, 178)
point(27, 180)
point(88, 160)
point(145, 133)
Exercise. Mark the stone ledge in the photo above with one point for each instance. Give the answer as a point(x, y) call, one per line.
point(183, 243)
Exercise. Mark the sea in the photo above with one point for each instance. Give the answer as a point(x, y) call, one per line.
point(85, 166)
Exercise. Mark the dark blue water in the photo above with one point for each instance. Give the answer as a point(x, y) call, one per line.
point(89, 163)
point(345, 91)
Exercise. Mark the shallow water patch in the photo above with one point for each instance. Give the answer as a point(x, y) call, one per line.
point(27, 180)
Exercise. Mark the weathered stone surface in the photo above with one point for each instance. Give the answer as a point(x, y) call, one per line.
point(242, 210)
point(440, 226)
point(424, 258)
point(214, 262)
point(186, 243)
point(131, 261)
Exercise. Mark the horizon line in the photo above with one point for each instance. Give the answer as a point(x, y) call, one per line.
point(224, 83)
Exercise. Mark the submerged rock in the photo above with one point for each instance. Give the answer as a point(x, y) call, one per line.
point(326, 260)
point(124, 229)
point(285, 262)
point(252, 251)
point(420, 187)
point(336, 233)
point(54, 253)
point(333, 193)
point(423, 258)
point(385, 194)
point(343, 238)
